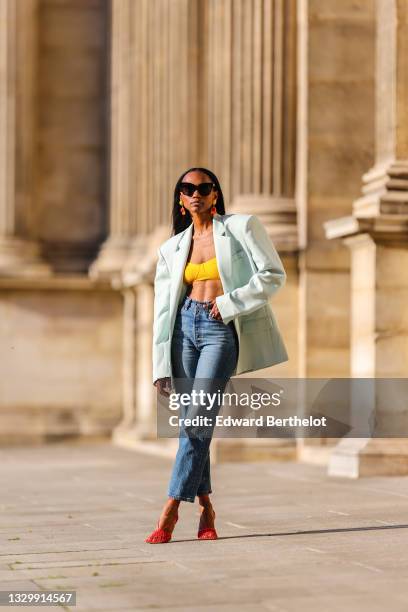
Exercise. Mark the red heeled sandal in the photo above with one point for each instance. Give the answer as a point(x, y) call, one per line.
point(159, 535)
point(208, 533)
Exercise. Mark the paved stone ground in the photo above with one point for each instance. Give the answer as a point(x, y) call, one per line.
point(291, 538)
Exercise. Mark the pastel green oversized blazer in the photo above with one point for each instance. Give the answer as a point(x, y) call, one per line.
point(250, 271)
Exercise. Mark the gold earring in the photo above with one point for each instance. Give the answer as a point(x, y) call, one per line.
point(213, 209)
point(183, 210)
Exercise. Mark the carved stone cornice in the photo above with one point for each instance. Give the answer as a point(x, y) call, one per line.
point(383, 228)
point(385, 189)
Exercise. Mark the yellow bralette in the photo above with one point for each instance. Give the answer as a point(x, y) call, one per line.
point(208, 270)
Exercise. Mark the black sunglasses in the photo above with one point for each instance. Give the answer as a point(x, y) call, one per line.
point(203, 189)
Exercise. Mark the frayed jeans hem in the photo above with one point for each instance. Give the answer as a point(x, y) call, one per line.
point(182, 498)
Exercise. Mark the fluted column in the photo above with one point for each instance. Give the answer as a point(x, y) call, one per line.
point(252, 147)
point(159, 63)
point(156, 110)
point(139, 395)
point(252, 96)
point(252, 114)
point(19, 255)
point(377, 236)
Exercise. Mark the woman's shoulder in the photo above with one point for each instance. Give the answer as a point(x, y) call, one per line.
point(238, 223)
point(239, 219)
point(169, 244)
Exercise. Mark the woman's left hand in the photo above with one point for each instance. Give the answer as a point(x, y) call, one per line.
point(214, 312)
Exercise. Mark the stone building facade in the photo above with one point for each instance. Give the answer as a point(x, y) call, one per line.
point(298, 106)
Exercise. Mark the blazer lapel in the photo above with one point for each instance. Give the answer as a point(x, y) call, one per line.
point(179, 261)
point(222, 245)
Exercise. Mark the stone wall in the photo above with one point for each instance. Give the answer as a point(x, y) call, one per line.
point(60, 333)
point(61, 361)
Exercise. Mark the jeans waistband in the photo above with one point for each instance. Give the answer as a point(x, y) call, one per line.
point(187, 302)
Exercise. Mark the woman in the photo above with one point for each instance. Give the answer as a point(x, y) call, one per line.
point(212, 319)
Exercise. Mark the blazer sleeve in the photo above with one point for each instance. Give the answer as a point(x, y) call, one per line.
point(265, 282)
point(161, 318)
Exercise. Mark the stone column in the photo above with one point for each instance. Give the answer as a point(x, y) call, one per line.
point(139, 395)
point(252, 108)
point(19, 255)
point(157, 125)
point(377, 236)
point(145, 392)
point(252, 91)
point(252, 96)
point(158, 130)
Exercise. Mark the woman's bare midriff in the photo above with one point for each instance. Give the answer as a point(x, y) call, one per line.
point(205, 290)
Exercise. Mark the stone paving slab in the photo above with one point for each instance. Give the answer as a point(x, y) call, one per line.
point(291, 538)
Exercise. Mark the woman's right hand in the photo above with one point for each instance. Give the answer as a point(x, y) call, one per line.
point(163, 385)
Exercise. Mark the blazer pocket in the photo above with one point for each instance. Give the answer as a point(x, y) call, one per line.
point(255, 322)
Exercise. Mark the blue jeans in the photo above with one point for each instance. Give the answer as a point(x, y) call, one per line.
point(204, 354)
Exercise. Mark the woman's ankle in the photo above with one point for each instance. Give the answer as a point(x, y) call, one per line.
point(204, 501)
